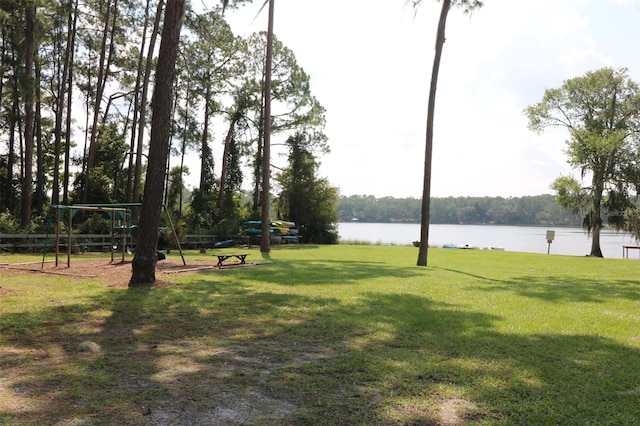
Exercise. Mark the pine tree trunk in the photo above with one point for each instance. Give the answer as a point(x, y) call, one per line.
point(100, 84)
point(27, 178)
point(265, 246)
point(205, 151)
point(143, 105)
point(10, 201)
point(60, 103)
point(5, 190)
point(67, 148)
point(144, 261)
point(40, 197)
point(225, 156)
point(426, 190)
point(136, 107)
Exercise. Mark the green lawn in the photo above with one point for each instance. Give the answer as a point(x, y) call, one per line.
point(330, 335)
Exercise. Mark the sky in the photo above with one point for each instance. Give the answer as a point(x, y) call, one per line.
point(370, 64)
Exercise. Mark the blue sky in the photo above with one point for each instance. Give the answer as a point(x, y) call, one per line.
point(370, 66)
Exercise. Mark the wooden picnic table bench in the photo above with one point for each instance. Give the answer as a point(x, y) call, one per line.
point(625, 249)
point(225, 256)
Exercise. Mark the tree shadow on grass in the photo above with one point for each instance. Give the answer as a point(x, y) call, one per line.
point(326, 272)
point(567, 288)
point(215, 350)
point(559, 288)
point(438, 350)
point(71, 361)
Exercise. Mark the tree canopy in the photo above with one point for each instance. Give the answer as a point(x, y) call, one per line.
point(537, 210)
point(77, 98)
point(305, 198)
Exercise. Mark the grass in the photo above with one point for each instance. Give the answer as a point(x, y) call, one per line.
point(331, 335)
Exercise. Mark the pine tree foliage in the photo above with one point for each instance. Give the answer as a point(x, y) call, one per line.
point(92, 62)
point(305, 198)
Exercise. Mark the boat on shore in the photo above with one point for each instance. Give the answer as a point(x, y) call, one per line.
point(469, 247)
point(224, 244)
point(279, 230)
point(462, 247)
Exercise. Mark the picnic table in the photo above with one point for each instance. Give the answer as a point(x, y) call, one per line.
point(225, 256)
point(625, 250)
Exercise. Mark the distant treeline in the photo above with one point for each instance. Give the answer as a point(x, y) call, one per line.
point(531, 210)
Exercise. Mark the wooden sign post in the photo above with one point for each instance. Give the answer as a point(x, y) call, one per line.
point(550, 237)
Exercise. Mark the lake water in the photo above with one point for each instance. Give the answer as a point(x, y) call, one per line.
point(568, 241)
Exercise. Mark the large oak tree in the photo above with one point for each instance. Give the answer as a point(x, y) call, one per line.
point(601, 111)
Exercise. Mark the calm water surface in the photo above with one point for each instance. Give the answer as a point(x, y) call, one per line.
point(568, 241)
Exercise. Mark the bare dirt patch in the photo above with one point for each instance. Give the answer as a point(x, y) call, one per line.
point(196, 386)
point(454, 412)
point(113, 274)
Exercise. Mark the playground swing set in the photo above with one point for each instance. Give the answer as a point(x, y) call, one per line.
point(121, 226)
